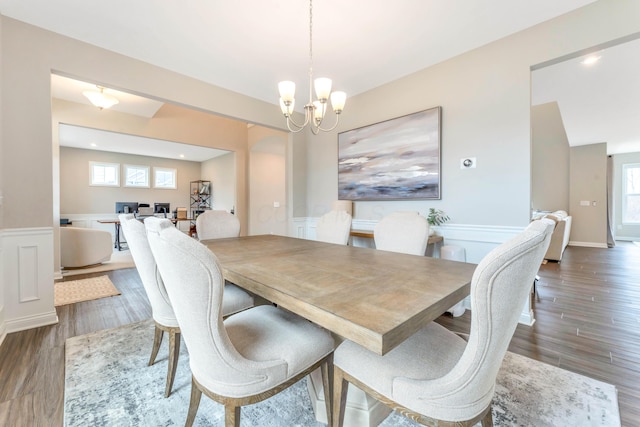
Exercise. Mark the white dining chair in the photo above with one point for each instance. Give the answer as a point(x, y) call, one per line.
point(217, 224)
point(405, 232)
point(165, 320)
point(334, 227)
point(246, 358)
point(435, 377)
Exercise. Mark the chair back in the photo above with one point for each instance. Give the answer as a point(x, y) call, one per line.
point(136, 236)
point(500, 286)
point(194, 282)
point(334, 227)
point(217, 224)
point(404, 232)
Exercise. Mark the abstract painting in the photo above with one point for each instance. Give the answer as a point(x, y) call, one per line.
point(398, 159)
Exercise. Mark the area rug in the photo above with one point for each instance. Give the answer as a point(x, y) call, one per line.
point(119, 260)
point(108, 383)
point(73, 291)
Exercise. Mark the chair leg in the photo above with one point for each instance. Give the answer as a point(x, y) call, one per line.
point(196, 394)
point(174, 353)
point(487, 421)
point(231, 416)
point(157, 340)
point(340, 388)
point(327, 383)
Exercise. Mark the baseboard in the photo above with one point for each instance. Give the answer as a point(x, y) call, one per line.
point(34, 321)
point(3, 326)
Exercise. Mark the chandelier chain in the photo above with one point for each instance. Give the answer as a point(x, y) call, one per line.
point(310, 45)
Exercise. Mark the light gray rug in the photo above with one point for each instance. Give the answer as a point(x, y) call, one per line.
point(108, 383)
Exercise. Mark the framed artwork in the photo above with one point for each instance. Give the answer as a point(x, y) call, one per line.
point(398, 159)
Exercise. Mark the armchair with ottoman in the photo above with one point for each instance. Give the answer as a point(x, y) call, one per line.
point(561, 232)
point(82, 247)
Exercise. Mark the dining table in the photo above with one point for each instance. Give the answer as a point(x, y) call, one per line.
point(374, 298)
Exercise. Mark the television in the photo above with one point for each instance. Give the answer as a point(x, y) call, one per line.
point(126, 207)
point(161, 208)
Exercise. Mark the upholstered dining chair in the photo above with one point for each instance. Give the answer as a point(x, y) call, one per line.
point(217, 224)
point(404, 231)
point(235, 299)
point(246, 358)
point(435, 377)
point(334, 227)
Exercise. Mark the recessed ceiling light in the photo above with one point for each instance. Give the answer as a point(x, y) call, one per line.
point(182, 156)
point(93, 144)
point(590, 60)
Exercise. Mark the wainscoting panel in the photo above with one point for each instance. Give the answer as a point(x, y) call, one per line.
point(27, 263)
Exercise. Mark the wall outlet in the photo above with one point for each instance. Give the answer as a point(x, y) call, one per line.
point(585, 203)
point(276, 204)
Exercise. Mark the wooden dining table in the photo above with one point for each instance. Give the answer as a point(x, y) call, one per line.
point(372, 297)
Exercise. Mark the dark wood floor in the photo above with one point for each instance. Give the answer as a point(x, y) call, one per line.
point(587, 311)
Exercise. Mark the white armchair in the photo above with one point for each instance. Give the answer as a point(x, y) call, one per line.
point(82, 247)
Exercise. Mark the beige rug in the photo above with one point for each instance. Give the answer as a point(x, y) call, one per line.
point(83, 290)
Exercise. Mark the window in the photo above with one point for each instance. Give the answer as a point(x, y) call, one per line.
point(631, 193)
point(136, 176)
point(104, 174)
point(165, 178)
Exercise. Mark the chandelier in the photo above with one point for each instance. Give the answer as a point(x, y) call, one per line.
point(314, 111)
point(100, 99)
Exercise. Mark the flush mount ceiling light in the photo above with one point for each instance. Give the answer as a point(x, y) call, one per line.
point(100, 99)
point(314, 110)
point(590, 60)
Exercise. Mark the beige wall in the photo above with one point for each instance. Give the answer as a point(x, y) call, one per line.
point(485, 99)
point(221, 171)
point(550, 159)
point(588, 182)
point(78, 197)
point(268, 181)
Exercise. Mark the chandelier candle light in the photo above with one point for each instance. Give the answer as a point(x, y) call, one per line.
point(314, 111)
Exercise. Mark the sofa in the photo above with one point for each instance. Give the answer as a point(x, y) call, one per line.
point(560, 236)
point(82, 247)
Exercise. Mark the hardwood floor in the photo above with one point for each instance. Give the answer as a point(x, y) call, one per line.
point(587, 311)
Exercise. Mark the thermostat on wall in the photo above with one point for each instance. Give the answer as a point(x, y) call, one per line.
point(468, 163)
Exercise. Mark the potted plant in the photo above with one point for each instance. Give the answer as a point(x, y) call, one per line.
point(436, 217)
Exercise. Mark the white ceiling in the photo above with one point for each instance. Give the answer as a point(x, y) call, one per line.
point(101, 140)
point(598, 102)
point(248, 46)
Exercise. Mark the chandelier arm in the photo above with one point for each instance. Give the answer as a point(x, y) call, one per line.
point(331, 128)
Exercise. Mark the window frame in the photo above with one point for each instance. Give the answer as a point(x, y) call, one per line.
point(92, 174)
point(626, 194)
point(146, 170)
point(174, 171)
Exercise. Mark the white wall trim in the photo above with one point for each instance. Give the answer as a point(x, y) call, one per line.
point(32, 321)
point(27, 266)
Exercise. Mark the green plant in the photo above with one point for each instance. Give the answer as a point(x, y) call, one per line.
point(437, 217)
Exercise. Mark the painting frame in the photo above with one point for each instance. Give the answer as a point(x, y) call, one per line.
point(395, 159)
